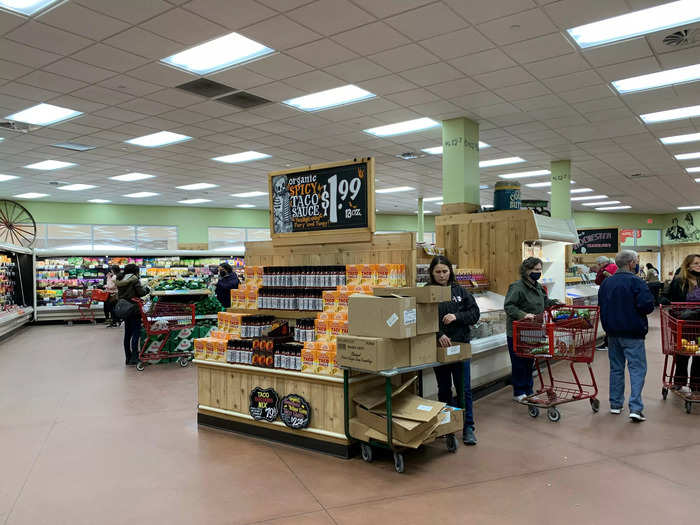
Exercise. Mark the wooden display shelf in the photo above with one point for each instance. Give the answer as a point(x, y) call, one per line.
point(273, 371)
point(281, 314)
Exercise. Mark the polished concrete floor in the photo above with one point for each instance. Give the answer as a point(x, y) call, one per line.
point(84, 440)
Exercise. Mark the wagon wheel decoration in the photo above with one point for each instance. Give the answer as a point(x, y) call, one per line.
point(17, 225)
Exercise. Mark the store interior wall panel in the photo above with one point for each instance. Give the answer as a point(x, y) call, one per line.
point(672, 256)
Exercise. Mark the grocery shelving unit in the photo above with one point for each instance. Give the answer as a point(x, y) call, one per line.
point(17, 287)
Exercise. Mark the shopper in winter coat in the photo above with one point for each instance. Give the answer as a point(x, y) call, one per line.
point(625, 301)
point(128, 288)
point(455, 318)
point(606, 268)
point(685, 288)
point(526, 299)
point(228, 280)
point(111, 288)
point(653, 282)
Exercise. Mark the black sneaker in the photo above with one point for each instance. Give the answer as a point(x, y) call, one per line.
point(637, 417)
point(468, 437)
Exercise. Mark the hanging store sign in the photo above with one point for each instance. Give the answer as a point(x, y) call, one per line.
point(264, 403)
point(597, 241)
point(295, 412)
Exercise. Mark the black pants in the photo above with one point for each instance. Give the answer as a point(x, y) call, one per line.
point(132, 334)
point(681, 376)
point(108, 306)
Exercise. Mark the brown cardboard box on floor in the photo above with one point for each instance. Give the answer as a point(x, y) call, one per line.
point(427, 318)
point(390, 317)
point(372, 353)
point(456, 352)
point(451, 421)
point(403, 430)
point(419, 440)
point(412, 407)
point(423, 294)
point(423, 349)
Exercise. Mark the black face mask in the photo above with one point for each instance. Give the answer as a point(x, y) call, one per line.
point(694, 273)
point(535, 276)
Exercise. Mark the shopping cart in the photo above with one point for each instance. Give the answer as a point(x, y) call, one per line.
point(563, 332)
point(680, 336)
point(82, 300)
point(99, 296)
point(163, 318)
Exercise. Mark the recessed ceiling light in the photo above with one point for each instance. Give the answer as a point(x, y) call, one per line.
point(545, 184)
point(249, 194)
point(73, 146)
point(245, 156)
point(697, 180)
point(689, 207)
point(602, 203)
point(577, 190)
point(636, 23)
point(99, 201)
point(408, 126)
point(43, 115)
point(688, 156)
point(194, 201)
point(245, 206)
point(47, 165)
point(4, 178)
point(525, 174)
point(432, 199)
point(197, 186)
point(614, 208)
point(425, 212)
point(31, 195)
point(695, 169)
point(661, 79)
point(220, 53)
point(437, 150)
point(672, 114)
point(589, 197)
point(26, 7)
point(484, 187)
point(130, 177)
point(500, 162)
point(162, 138)
point(330, 98)
point(681, 139)
point(396, 189)
point(141, 194)
point(77, 187)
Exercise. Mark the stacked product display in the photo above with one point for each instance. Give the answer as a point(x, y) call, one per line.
point(471, 278)
point(16, 288)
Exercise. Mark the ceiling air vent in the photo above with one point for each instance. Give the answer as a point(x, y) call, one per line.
point(409, 155)
point(243, 100)
point(206, 88)
point(17, 127)
point(637, 176)
point(683, 37)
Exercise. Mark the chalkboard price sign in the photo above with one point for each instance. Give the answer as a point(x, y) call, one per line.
point(597, 241)
point(295, 412)
point(263, 404)
point(323, 198)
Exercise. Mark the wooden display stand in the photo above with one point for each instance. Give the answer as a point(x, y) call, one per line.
point(224, 389)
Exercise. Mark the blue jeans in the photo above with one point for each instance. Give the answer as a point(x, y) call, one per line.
point(132, 334)
point(444, 375)
point(521, 375)
point(621, 349)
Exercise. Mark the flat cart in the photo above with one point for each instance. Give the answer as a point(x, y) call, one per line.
point(82, 300)
point(163, 318)
point(567, 333)
point(398, 451)
point(680, 336)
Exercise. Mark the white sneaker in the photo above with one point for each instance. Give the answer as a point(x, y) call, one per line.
point(685, 390)
point(637, 417)
point(616, 411)
point(520, 398)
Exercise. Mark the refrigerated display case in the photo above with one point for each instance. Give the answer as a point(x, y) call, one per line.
point(16, 287)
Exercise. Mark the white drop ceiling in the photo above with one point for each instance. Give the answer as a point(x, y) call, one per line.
point(503, 63)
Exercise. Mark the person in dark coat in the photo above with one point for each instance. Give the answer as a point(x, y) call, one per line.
point(128, 288)
point(455, 318)
point(228, 280)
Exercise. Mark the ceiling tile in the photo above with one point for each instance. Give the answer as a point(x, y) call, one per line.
point(144, 43)
point(587, 93)
point(240, 78)
point(504, 77)
point(100, 94)
point(158, 73)
point(478, 11)
point(323, 16)
point(426, 22)
point(133, 11)
point(182, 26)
point(25, 55)
point(11, 70)
point(277, 91)
point(547, 46)
point(522, 91)
point(48, 38)
point(483, 62)
point(145, 106)
point(175, 97)
point(357, 70)
point(55, 82)
point(109, 57)
point(17, 89)
point(457, 43)
point(389, 7)
point(278, 66)
point(79, 70)
point(456, 88)
point(680, 58)
point(572, 13)
point(403, 58)
point(476, 100)
point(515, 28)
point(573, 81)
point(233, 15)
point(184, 116)
point(130, 85)
point(280, 33)
point(322, 53)
point(432, 74)
point(371, 38)
point(633, 68)
point(622, 52)
point(314, 81)
point(386, 85)
point(81, 21)
point(555, 67)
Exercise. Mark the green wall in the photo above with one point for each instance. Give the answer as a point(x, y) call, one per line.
point(192, 223)
point(587, 219)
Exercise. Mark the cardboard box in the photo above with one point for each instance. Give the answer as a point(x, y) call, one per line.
point(427, 318)
point(403, 430)
point(390, 317)
point(423, 294)
point(423, 349)
point(412, 407)
point(451, 421)
point(372, 353)
point(456, 352)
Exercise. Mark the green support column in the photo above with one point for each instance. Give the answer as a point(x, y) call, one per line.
point(421, 221)
point(561, 189)
point(460, 161)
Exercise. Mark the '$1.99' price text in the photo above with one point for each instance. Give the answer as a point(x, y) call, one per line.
point(335, 194)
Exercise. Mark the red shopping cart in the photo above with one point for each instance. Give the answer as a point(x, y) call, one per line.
point(563, 332)
point(82, 300)
point(99, 296)
point(680, 339)
point(163, 318)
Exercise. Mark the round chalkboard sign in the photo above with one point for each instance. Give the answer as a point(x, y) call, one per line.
point(295, 412)
point(263, 404)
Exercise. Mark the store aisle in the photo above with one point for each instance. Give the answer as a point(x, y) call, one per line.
point(84, 440)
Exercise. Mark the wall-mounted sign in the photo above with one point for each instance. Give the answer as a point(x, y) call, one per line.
point(264, 403)
point(597, 241)
point(323, 198)
point(295, 412)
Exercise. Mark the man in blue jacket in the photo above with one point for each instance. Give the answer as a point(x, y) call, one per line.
point(625, 301)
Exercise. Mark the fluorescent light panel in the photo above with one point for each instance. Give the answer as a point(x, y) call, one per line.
point(245, 206)
point(47, 165)
point(408, 126)
point(578, 190)
point(603, 203)
point(99, 201)
point(432, 199)
point(589, 197)
point(525, 174)
point(437, 150)
point(194, 201)
point(31, 195)
point(26, 7)
point(545, 184)
point(397, 189)
point(607, 208)
point(697, 207)
point(249, 194)
point(658, 80)
point(4, 178)
point(695, 169)
point(141, 194)
point(155, 140)
point(44, 115)
point(131, 177)
point(637, 23)
point(197, 186)
point(672, 114)
point(245, 156)
point(500, 162)
point(330, 98)
point(681, 139)
point(688, 156)
point(220, 53)
point(73, 146)
point(77, 187)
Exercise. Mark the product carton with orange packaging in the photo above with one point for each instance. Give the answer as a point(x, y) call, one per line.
point(383, 274)
point(309, 359)
point(322, 326)
point(352, 274)
point(368, 274)
point(252, 299)
point(324, 357)
point(343, 296)
point(200, 348)
point(330, 300)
